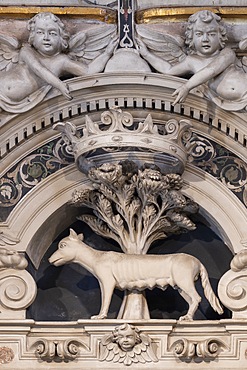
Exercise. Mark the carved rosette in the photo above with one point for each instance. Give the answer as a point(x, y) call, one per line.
point(17, 292)
point(186, 349)
point(6, 355)
point(232, 288)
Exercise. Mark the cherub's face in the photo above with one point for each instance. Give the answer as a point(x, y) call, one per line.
point(47, 39)
point(206, 38)
point(126, 339)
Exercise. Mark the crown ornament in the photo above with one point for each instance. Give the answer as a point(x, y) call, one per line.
point(119, 137)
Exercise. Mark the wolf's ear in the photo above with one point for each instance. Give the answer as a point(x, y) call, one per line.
point(73, 234)
point(80, 236)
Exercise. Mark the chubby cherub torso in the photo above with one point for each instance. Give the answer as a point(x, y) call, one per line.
point(230, 84)
point(21, 81)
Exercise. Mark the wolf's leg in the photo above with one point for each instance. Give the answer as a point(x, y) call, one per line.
point(192, 298)
point(106, 286)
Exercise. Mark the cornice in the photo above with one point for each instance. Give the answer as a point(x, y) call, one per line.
point(96, 13)
point(179, 14)
point(109, 15)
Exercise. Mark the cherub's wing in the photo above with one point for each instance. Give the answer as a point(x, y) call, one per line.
point(9, 52)
point(86, 46)
point(109, 350)
point(168, 47)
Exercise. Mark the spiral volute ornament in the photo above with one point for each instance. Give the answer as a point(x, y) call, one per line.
point(17, 289)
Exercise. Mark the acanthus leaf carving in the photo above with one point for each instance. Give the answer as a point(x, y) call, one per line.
point(12, 259)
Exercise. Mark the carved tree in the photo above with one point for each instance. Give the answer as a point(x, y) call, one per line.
point(135, 207)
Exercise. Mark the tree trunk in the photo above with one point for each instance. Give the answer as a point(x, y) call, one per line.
point(134, 306)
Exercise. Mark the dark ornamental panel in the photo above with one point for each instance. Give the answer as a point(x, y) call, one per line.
point(220, 163)
point(29, 172)
point(51, 157)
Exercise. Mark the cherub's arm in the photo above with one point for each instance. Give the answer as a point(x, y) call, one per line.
point(162, 65)
point(29, 57)
point(159, 64)
point(225, 58)
point(97, 65)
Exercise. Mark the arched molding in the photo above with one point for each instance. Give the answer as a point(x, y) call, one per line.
point(141, 93)
point(45, 211)
point(226, 215)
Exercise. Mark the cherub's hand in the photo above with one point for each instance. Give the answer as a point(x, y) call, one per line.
point(142, 47)
point(181, 94)
point(64, 88)
point(112, 45)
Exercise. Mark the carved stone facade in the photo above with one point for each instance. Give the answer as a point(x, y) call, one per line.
point(125, 121)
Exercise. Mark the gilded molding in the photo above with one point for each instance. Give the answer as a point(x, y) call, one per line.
point(104, 15)
point(178, 14)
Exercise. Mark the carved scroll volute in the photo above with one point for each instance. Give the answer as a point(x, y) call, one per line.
point(17, 292)
point(208, 349)
point(232, 288)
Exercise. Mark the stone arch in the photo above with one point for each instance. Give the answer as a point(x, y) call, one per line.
point(50, 213)
point(141, 94)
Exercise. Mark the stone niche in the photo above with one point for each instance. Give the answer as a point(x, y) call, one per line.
point(141, 178)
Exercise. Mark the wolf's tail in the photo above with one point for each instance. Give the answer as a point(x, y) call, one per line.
point(208, 291)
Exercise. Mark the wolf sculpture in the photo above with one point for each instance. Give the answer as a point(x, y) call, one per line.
point(137, 272)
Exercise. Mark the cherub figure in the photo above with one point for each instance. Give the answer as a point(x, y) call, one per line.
point(207, 59)
point(49, 54)
point(126, 344)
point(126, 336)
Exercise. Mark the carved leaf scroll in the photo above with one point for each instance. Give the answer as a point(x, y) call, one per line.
point(135, 206)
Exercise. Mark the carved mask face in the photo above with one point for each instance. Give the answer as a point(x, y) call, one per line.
point(126, 339)
point(206, 38)
point(47, 39)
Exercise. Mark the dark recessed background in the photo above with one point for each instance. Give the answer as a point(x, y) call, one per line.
point(69, 292)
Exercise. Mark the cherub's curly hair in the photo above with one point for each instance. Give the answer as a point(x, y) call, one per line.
point(63, 33)
point(126, 327)
point(207, 17)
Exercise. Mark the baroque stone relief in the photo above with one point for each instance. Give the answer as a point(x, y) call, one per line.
point(220, 163)
point(187, 350)
point(233, 285)
point(127, 345)
point(133, 206)
point(204, 55)
point(28, 173)
point(29, 71)
point(63, 350)
point(51, 53)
